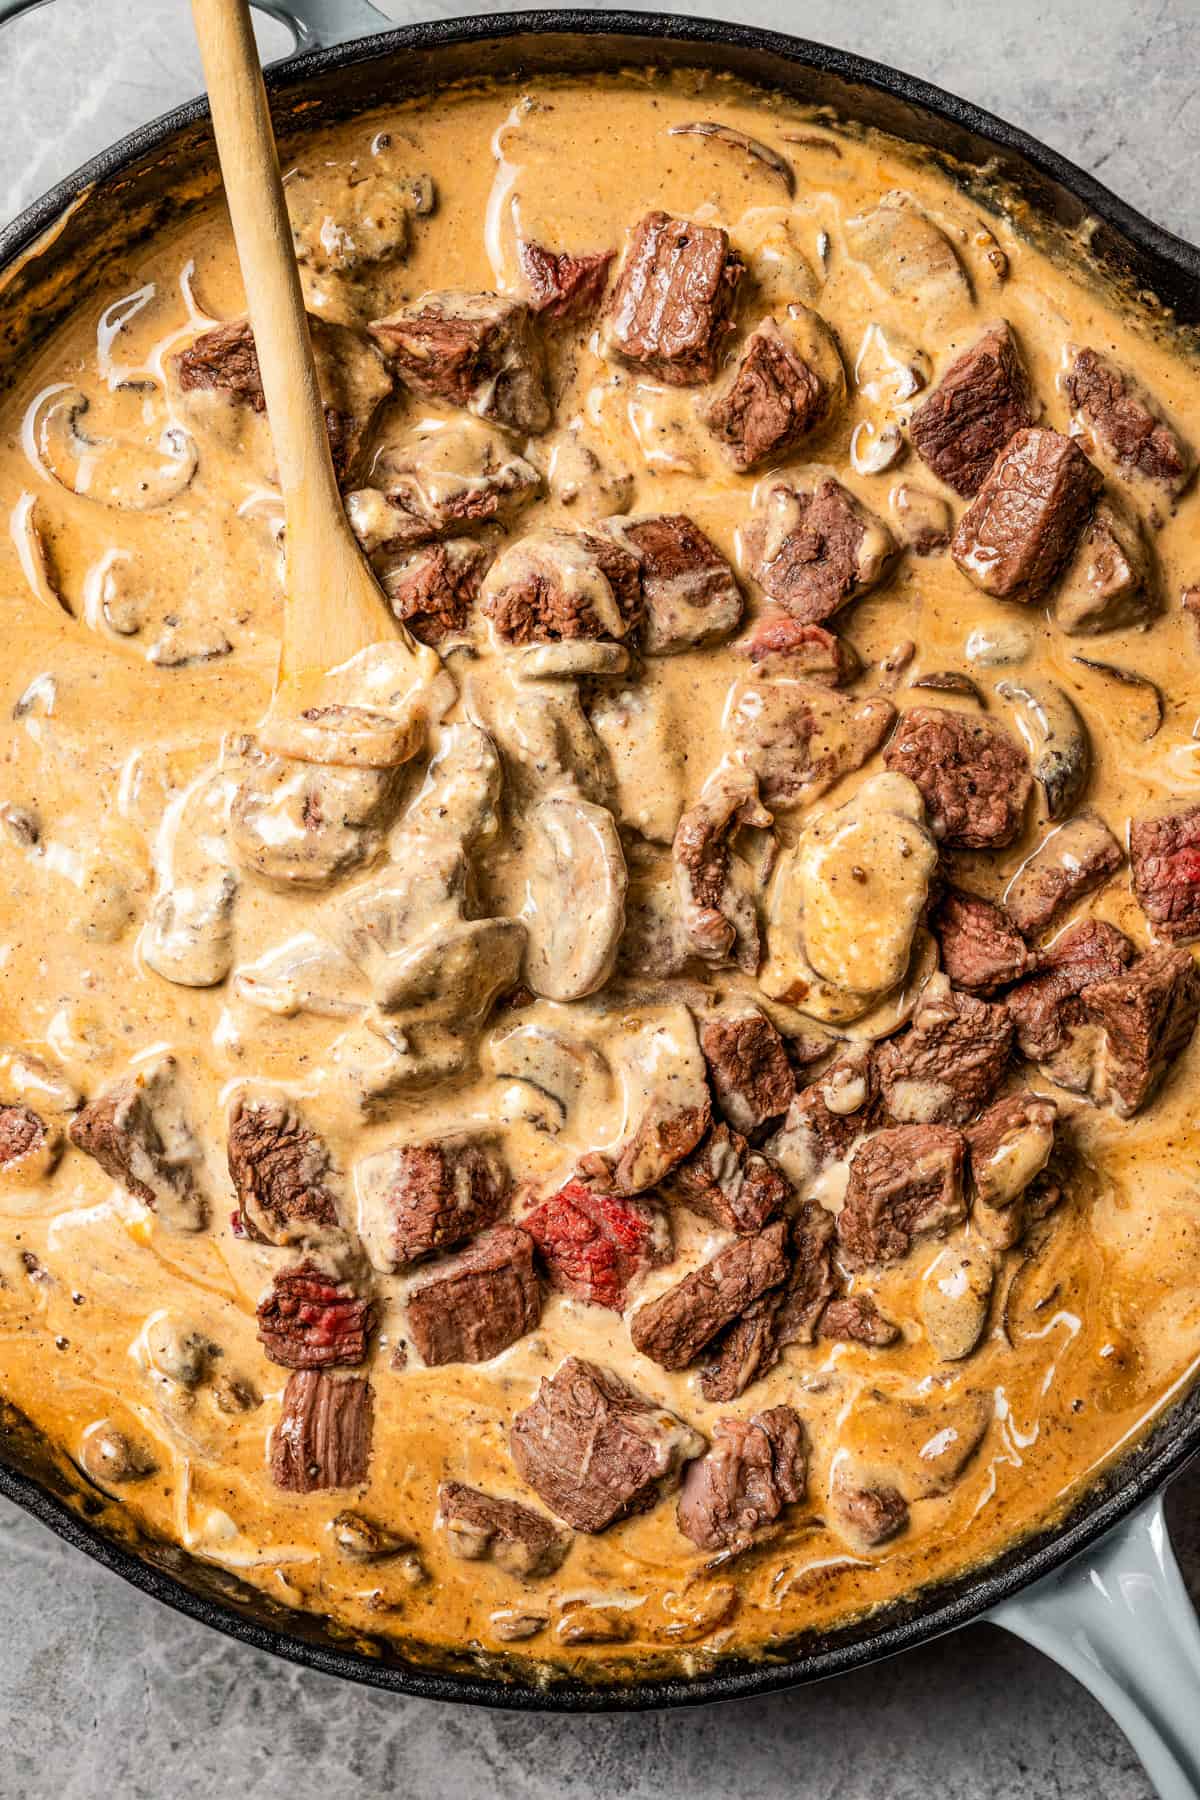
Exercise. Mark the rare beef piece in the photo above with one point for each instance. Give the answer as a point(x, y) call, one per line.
point(594, 1245)
point(432, 590)
point(814, 548)
point(824, 1118)
point(728, 1183)
point(973, 775)
point(784, 1315)
point(1148, 1014)
point(973, 411)
point(673, 1329)
point(946, 1067)
point(1164, 849)
point(690, 593)
point(867, 1516)
point(1129, 428)
point(768, 402)
point(904, 1183)
point(1046, 1008)
point(323, 1438)
point(670, 309)
point(778, 645)
point(428, 1196)
point(754, 1469)
point(561, 285)
point(594, 1449)
point(138, 1132)
point(25, 1139)
point(1018, 534)
point(281, 1171)
point(981, 949)
point(1073, 861)
point(477, 1303)
point(472, 350)
point(311, 1320)
point(557, 585)
point(856, 1319)
point(516, 1538)
point(749, 1068)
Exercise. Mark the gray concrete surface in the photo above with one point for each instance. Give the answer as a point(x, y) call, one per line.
point(103, 1693)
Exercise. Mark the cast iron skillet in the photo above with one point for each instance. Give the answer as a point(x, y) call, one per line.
point(135, 187)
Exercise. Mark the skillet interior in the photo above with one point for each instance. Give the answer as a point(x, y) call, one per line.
point(141, 184)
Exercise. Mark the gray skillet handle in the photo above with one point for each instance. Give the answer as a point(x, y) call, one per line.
point(316, 23)
point(1119, 1619)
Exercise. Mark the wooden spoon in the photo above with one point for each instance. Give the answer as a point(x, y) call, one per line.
point(352, 685)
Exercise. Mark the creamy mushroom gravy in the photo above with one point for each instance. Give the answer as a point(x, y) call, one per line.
point(141, 582)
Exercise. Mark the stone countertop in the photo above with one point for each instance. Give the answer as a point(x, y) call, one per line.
point(103, 1691)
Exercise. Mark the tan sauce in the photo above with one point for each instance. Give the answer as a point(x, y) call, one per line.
point(130, 704)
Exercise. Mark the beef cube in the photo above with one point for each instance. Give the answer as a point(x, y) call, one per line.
point(1148, 1014)
point(1020, 531)
point(27, 1145)
point(754, 1469)
point(981, 949)
point(814, 548)
point(594, 1245)
point(973, 775)
point(428, 1196)
point(715, 887)
point(946, 1067)
point(561, 285)
point(435, 481)
point(594, 1449)
point(825, 1118)
point(557, 585)
point(323, 1438)
point(867, 1516)
point(670, 1070)
point(748, 1349)
point(1125, 423)
point(1110, 582)
point(768, 403)
point(1073, 861)
point(749, 1068)
point(728, 1183)
point(225, 359)
point(1046, 1008)
point(975, 408)
point(856, 1319)
point(778, 645)
point(904, 1183)
point(1009, 1147)
point(691, 595)
point(477, 1303)
point(281, 1171)
point(432, 590)
point(670, 309)
point(138, 1132)
point(1164, 848)
point(810, 1282)
point(472, 350)
point(516, 1538)
point(311, 1320)
point(673, 1329)
point(800, 737)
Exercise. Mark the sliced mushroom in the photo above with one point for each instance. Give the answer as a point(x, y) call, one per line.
point(950, 681)
point(1151, 707)
point(910, 259)
point(766, 237)
point(567, 1071)
point(306, 825)
point(188, 938)
point(578, 476)
point(458, 799)
point(108, 1456)
point(1056, 738)
point(640, 728)
point(377, 1060)
point(137, 471)
point(888, 369)
point(738, 140)
point(175, 1352)
point(29, 540)
point(305, 975)
point(875, 448)
point(575, 911)
point(956, 1293)
point(366, 1540)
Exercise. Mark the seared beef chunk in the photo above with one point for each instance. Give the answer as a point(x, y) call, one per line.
point(472, 350)
point(23, 1133)
point(728, 1182)
point(1017, 535)
point(867, 1516)
point(948, 1064)
point(754, 1469)
point(673, 1329)
point(825, 1117)
point(422, 1197)
point(778, 645)
point(748, 1349)
point(1148, 1014)
point(556, 585)
point(1128, 426)
point(815, 548)
point(323, 1438)
point(137, 1131)
point(594, 1449)
point(981, 950)
point(1008, 1147)
point(769, 401)
point(561, 285)
point(225, 358)
point(433, 589)
point(595, 1244)
point(904, 1183)
point(800, 737)
point(691, 594)
point(1111, 581)
point(973, 775)
point(1046, 1007)
point(281, 1170)
point(1073, 861)
point(973, 411)
point(311, 1320)
point(714, 885)
point(749, 1068)
point(810, 1282)
point(515, 1537)
point(476, 1303)
point(438, 480)
point(667, 1132)
point(1165, 852)
point(856, 1319)
point(669, 313)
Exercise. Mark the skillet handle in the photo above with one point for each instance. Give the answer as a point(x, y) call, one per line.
point(1119, 1619)
point(316, 24)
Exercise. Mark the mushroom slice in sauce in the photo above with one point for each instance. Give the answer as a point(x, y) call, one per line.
point(147, 468)
point(574, 913)
point(1056, 738)
point(1151, 706)
point(740, 140)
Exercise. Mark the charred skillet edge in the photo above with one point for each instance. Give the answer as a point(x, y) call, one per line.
point(1139, 253)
